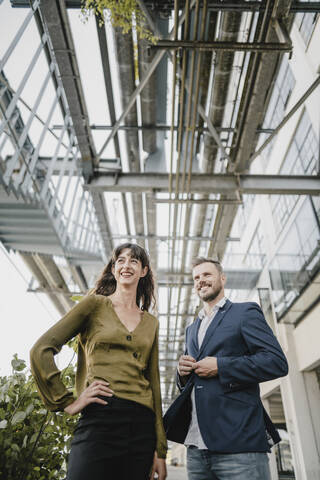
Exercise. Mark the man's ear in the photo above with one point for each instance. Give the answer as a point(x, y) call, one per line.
point(223, 279)
point(144, 271)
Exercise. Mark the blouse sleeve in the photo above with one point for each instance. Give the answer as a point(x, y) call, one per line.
point(46, 374)
point(154, 378)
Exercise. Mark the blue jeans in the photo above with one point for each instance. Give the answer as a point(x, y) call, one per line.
point(205, 465)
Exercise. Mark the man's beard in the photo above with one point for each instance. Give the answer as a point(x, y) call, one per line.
point(212, 295)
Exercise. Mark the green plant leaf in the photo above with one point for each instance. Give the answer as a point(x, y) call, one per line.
point(17, 364)
point(27, 429)
point(29, 409)
point(15, 447)
point(125, 15)
point(76, 298)
point(18, 417)
point(3, 424)
point(24, 443)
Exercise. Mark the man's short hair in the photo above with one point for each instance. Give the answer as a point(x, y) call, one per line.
point(199, 260)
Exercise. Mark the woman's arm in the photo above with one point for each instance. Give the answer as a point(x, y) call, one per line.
point(154, 378)
point(47, 376)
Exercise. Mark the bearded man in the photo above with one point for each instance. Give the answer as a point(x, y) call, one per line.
point(230, 349)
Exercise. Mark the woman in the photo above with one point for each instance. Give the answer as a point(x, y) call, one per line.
point(120, 433)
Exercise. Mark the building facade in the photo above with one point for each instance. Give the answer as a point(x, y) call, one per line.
point(280, 234)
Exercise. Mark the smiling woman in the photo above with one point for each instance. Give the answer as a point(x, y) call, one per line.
point(131, 253)
point(120, 430)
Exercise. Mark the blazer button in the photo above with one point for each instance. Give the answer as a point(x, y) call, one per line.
point(135, 354)
point(129, 337)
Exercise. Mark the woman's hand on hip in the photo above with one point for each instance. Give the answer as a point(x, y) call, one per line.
point(90, 395)
point(159, 466)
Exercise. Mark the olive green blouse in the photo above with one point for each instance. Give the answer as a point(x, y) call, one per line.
point(107, 350)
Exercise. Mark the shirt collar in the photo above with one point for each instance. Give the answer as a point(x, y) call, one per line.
point(218, 305)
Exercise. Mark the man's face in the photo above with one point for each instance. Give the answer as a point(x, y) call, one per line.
point(208, 281)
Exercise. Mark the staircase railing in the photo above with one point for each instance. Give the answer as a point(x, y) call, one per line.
point(55, 184)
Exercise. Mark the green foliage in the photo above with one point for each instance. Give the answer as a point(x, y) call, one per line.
point(76, 298)
point(121, 14)
point(73, 344)
point(34, 443)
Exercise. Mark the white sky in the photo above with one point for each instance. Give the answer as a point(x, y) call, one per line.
point(24, 315)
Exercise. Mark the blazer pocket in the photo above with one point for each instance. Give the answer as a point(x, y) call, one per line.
point(242, 396)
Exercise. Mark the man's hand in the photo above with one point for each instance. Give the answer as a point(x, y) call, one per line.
point(186, 365)
point(90, 395)
point(207, 367)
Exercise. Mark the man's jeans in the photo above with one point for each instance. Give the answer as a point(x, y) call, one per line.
point(205, 465)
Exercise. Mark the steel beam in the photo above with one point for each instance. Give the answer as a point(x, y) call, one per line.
point(63, 165)
point(43, 281)
point(55, 21)
point(165, 238)
point(213, 183)
point(226, 46)
point(307, 7)
point(101, 31)
point(160, 128)
point(103, 221)
point(153, 65)
point(214, 5)
point(200, 201)
point(236, 279)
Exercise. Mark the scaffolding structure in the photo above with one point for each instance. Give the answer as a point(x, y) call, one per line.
point(182, 144)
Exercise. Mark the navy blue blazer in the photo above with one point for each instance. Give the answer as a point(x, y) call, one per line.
point(230, 412)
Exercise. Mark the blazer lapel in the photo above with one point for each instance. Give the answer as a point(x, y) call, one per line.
point(214, 324)
point(194, 329)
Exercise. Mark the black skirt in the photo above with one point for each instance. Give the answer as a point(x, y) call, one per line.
point(113, 442)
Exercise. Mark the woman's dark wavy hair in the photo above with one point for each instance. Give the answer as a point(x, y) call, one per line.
point(107, 284)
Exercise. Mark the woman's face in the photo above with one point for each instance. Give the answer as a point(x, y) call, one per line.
point(128, 270)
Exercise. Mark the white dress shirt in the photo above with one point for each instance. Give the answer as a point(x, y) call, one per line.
point(194, 436)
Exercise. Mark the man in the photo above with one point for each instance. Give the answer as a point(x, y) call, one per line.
point(229, 349)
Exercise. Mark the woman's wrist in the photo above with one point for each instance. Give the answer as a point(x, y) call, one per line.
point(70, 408)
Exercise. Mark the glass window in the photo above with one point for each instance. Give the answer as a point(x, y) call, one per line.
point(306, 23)
point(282, 206)
point(266, 306)
point(255, 257)
point(301, 159)
point(297, 259)
point(316, 207)
point(278, 102)
point(284, 455)
point(244, 212)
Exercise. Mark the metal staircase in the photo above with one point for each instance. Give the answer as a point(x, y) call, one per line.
point(44, 208)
